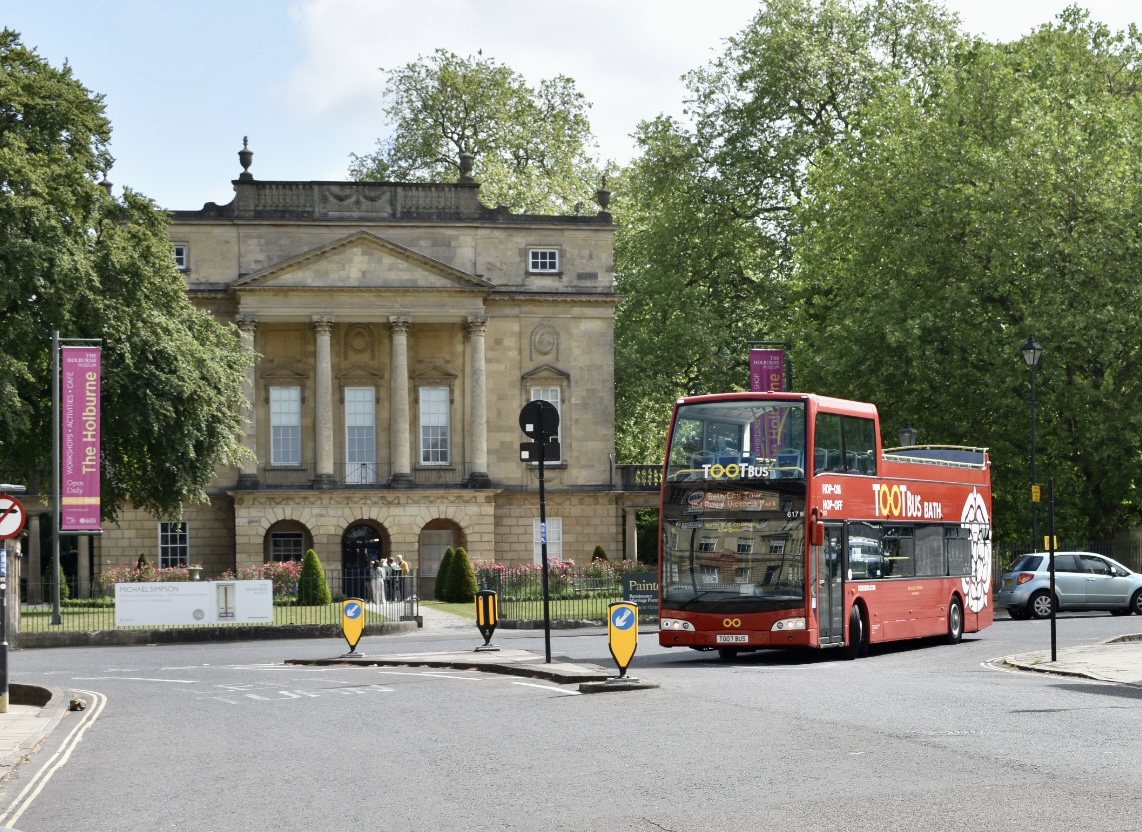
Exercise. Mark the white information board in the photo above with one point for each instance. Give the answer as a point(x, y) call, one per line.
point(194, 602)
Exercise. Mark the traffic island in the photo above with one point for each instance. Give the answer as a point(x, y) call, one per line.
point(620, 683)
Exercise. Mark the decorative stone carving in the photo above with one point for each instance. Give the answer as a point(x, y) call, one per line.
point(545, 341)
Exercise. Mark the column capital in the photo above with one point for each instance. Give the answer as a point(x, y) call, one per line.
point(477, 324)
point(247, 323)
point(399, 323)
point(323, 324)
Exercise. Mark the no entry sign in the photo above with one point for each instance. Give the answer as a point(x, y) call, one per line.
point(12, 517)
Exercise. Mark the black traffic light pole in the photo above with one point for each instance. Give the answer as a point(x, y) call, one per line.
point(540, 421)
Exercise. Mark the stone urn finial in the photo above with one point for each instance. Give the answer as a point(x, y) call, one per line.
point(245, 156)
point(467, 161)
point(604, 196)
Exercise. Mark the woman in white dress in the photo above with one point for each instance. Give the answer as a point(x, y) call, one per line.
point(378, 582)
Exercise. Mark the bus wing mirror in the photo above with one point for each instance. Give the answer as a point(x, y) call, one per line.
point(816, 533)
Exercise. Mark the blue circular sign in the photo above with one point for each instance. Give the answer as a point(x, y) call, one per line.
point(353, 610)
point(623, 618)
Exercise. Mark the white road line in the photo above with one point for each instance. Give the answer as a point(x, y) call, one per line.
point(134, 679)
point(31, 791)
point(548, 687)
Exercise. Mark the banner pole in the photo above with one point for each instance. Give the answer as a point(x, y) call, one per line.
point(57, 618)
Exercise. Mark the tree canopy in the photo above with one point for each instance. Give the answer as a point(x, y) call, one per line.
point(952, 228)
point(74, 259)
point(707, 211)
point(532, 147)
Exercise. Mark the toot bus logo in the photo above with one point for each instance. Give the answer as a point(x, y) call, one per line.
point(898, 501)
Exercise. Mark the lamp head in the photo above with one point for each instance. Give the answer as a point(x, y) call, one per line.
point(1031, 352)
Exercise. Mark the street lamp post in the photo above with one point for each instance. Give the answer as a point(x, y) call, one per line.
point(1032, 352)
point(907, 435)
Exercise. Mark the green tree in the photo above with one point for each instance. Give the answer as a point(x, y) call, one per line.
point(74, 259)
point(954, 226)
point(707, 211)
point(533, 147)
point(312, 587)
point(440, 588)
point(461, 587)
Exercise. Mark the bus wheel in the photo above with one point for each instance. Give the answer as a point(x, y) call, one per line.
point(727, 652)
point(857, 636)
point(955, 622)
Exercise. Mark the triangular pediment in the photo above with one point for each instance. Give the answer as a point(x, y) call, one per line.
point(545, 371)
point(362, 260)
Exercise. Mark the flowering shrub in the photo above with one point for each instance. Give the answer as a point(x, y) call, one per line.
point(140, 572)
point(286, 576)
point(565, 580)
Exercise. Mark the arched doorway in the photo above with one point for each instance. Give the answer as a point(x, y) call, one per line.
point(361, 545)
point(436, 536)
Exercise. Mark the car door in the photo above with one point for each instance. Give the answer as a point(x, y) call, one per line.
point(1105, 589)
point(1070, 582)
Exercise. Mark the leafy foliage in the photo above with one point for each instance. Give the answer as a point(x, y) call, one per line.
point(705, 254)
point(313, 589)
point(461, 587)
point(440, 588)
point(532, 146)
point(77, 261)
point(954, 226)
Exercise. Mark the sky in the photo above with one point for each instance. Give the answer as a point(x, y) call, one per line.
point(185, 80)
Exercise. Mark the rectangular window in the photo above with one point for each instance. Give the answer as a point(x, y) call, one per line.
point(181, 256)
point(554, 396)
point(435, 428)
point(360, 435)
point(285, 426)
point(745, 545)
point(174, 545)
point(543, 260)
point(554, 540)
point(708, 544)
point(287, 546)
point(844, 444)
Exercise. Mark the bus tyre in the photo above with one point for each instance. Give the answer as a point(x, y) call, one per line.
point(727, 652)
point(1040, 605)
point(955, 622)
point(856, 643)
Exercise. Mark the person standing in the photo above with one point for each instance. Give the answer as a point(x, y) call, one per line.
point(377, 581)
point(402, 576)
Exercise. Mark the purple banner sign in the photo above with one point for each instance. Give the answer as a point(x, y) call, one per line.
point(80, 385)
point(766, 373)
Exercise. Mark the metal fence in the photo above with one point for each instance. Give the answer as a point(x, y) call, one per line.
point(92, 607)
point(575, 594)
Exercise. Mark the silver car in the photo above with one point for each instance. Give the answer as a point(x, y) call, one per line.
point(1083, 581)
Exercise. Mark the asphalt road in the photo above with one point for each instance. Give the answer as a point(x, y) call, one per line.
point(914, 737)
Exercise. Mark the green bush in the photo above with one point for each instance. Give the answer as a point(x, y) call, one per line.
point(599, 554)
point(461, 587)
point(313, 589)
point(440, 588)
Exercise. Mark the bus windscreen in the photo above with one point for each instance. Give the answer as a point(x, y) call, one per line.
point(747, 439)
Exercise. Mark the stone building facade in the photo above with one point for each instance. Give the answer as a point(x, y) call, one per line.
point(399, 329)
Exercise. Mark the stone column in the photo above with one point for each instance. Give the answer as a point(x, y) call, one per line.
point(323, 375)
point(83, 566)
point(478, 394)
point(248, 475)
point(631, 515)
point(400, 413)
point(34, 574)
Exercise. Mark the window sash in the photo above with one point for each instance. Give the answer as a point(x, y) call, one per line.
point(553, 395)
point(435, 426)
point(174, 545)
point(544, 260)
point(360, 434)
point(286, 546)
point(285, 426)
point(554, 540)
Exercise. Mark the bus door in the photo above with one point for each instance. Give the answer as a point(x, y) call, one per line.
point(830, 585)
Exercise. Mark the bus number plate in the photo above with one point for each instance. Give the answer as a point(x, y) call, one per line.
point(733, 639)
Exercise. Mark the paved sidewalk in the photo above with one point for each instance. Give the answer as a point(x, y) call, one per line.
point(25, 726)
point(1117, 660)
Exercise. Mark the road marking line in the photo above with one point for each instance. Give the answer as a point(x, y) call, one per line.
point(548, 687)
point(31, 791)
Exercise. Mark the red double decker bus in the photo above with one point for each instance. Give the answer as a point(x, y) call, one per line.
point(784, 523)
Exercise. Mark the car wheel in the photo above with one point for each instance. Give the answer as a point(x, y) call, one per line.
point(856, 644)
point(1018, 614)
point(1123, 611)
point(727, 652)
point(1040, 605)
point(1136, 603)
point(955, 622)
